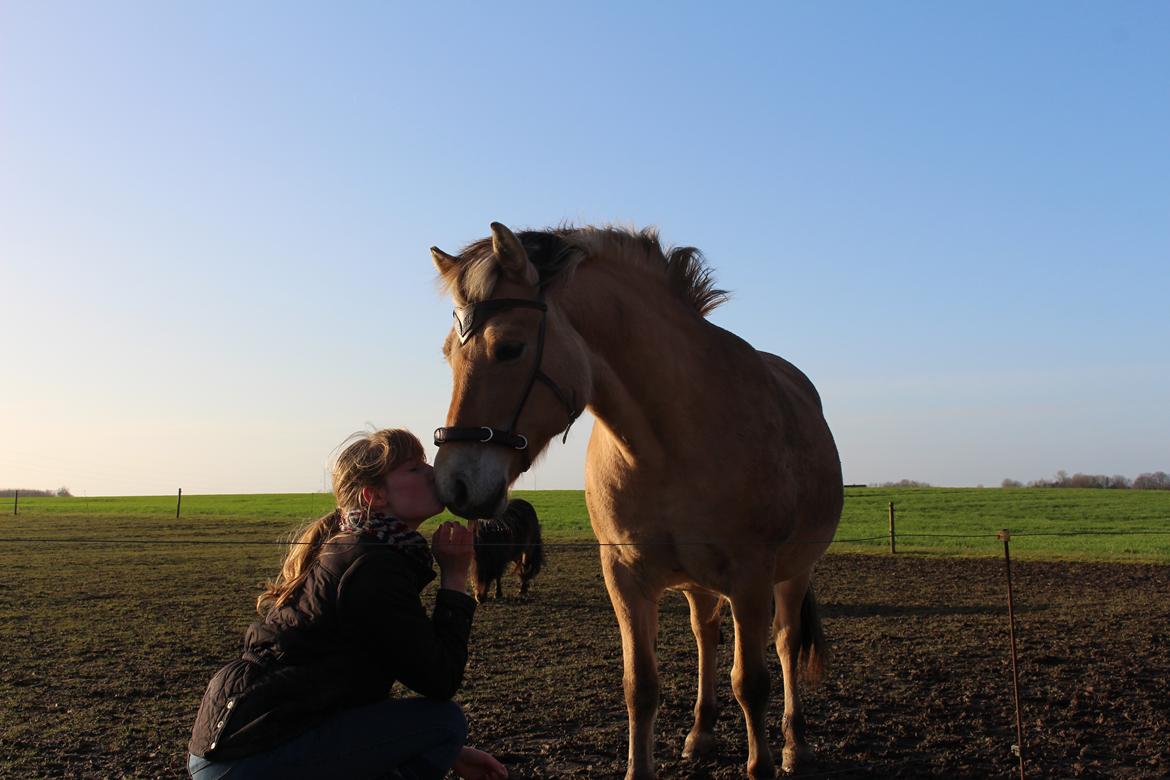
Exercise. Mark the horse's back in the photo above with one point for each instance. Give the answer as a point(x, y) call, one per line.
point(792, 379)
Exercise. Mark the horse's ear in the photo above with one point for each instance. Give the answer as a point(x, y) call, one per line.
point(443, 261)
point(513, 259)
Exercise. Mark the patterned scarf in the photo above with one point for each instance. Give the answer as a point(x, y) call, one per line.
point(388, 530)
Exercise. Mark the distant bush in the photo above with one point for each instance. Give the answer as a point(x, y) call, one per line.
point(1156, 481)
point(905, 483)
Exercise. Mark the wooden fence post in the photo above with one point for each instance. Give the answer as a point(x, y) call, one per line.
point(179, 505)
point(15, 502)
point(1018, 748)
point(893, 543)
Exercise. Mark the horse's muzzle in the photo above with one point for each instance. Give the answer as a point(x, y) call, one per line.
point(462, 502)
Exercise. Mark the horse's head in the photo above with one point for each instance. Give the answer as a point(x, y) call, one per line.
point(521, 374)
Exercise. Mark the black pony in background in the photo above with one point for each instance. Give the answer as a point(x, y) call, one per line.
point(513, 539)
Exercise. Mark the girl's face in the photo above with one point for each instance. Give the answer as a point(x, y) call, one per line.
point(408, 493)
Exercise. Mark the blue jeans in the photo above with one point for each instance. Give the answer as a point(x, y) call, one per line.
point(411, 739)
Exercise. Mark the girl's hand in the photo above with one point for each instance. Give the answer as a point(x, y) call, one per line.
point(453, 547)
point(475, 764)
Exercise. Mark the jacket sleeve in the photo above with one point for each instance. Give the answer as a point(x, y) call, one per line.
point(379, 601)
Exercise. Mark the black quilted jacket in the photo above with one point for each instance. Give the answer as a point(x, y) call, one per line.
point(356, 626)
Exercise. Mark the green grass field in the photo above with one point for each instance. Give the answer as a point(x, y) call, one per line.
point(1118, 524)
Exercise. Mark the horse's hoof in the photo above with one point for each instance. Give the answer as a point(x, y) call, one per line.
point(762, 771)
point(796, 757)
point(700, 744)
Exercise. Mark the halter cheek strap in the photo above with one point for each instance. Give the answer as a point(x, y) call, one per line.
point(468, 320)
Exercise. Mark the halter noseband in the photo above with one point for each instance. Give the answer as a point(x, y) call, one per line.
point(469, 319)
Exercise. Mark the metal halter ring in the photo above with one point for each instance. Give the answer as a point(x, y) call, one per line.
point(522, 446)
point(490, 434)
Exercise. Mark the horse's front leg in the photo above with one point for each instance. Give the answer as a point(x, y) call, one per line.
point(479, 588)
point(706, 614)
point(636, 608)
point(749, 676)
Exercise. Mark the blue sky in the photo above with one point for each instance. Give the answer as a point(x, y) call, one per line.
point(214, 220)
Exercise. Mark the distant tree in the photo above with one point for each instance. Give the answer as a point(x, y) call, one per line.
point(1159, 480)
point(63, 492)
point(1079, 480)
point(25, 493)
point(1011, 483)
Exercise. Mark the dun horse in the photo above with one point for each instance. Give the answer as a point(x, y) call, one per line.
point(512, 539)
point(710, 469)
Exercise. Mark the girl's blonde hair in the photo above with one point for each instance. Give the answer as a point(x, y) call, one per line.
point(364, 462)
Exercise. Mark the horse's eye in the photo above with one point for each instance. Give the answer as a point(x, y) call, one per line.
point(508, 350)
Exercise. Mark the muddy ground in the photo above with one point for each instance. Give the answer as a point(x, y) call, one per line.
point(105, 682)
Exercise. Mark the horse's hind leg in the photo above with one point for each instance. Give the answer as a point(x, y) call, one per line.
point(524, 579)
point(787, 627)
point(706, 614)
point(749, 677)
point(636, 606)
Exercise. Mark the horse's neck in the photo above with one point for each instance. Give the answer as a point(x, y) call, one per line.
point(646, 347)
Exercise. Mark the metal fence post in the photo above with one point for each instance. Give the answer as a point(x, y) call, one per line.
point(15, 502)
point(893, 543)
point(179, 504)
point(1018, 748)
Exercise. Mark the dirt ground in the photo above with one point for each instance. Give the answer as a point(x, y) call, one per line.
point(920, 683)
point(919, 686)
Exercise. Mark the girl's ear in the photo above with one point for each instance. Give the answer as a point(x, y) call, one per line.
point(377, 498)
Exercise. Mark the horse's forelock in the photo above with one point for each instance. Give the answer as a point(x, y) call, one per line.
point(475, 276)
point(478, 271)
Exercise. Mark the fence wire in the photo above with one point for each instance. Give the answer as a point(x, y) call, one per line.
point(570, 545)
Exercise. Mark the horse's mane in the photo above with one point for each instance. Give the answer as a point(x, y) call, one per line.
point(556, 252)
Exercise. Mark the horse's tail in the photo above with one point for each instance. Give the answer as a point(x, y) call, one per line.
point(814, 650)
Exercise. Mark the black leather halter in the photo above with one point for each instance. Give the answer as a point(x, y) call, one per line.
point(469, 319)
